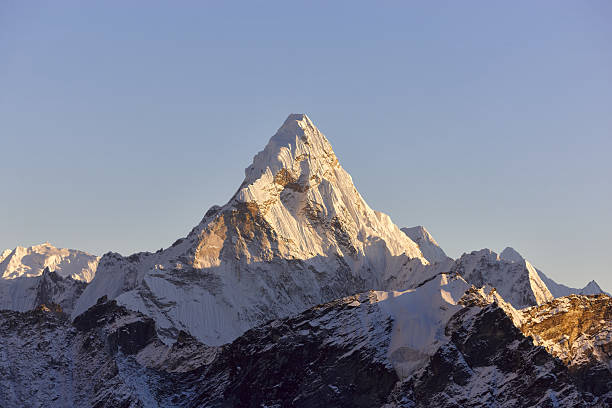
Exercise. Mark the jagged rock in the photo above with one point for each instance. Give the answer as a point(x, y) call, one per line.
point(488, 362)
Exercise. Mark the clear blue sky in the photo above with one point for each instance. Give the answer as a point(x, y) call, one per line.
point(490, 123)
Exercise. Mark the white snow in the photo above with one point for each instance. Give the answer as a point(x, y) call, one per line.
point(419, 319)
point(427, 244)
point(31, 261)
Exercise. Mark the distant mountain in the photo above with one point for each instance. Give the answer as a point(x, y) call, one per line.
point(515, 279)
point(31, 261)
point(556, 289)
point(517, 282)
point(44, 274)
point(296, 234)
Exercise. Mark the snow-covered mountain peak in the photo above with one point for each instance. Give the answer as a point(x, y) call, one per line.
point(517, 282)
point(428, 245)
point(298, 156)
point(296, 234)
point(557, 290)
point(31, 261)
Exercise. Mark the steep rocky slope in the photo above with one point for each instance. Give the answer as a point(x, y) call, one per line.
point(296, 234)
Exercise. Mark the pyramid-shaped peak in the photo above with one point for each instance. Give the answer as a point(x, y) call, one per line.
point(301, 119)
point(426, 242)
point(511, 254)
point(418, 231)
point(296, 126)
point(297, 147)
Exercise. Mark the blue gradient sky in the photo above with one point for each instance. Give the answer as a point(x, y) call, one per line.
point(489, 123)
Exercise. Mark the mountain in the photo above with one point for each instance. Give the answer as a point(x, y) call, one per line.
point(296, 234)
point(427, 244)
point(442, 344)
point(296, 293)
point(31, 261)
point(44, 274)
point(517, 282)
point(515, 279)
point(556, 289)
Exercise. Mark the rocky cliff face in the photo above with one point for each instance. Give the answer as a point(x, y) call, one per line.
point(109, 357)
point(578, 331)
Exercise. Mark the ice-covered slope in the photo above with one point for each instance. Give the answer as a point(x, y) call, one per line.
point(556, 289)
point(427, 244)
point(296, 234)
point(31, 261)
point(517, 282)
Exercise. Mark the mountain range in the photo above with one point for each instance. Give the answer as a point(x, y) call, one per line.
point(296, 293)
